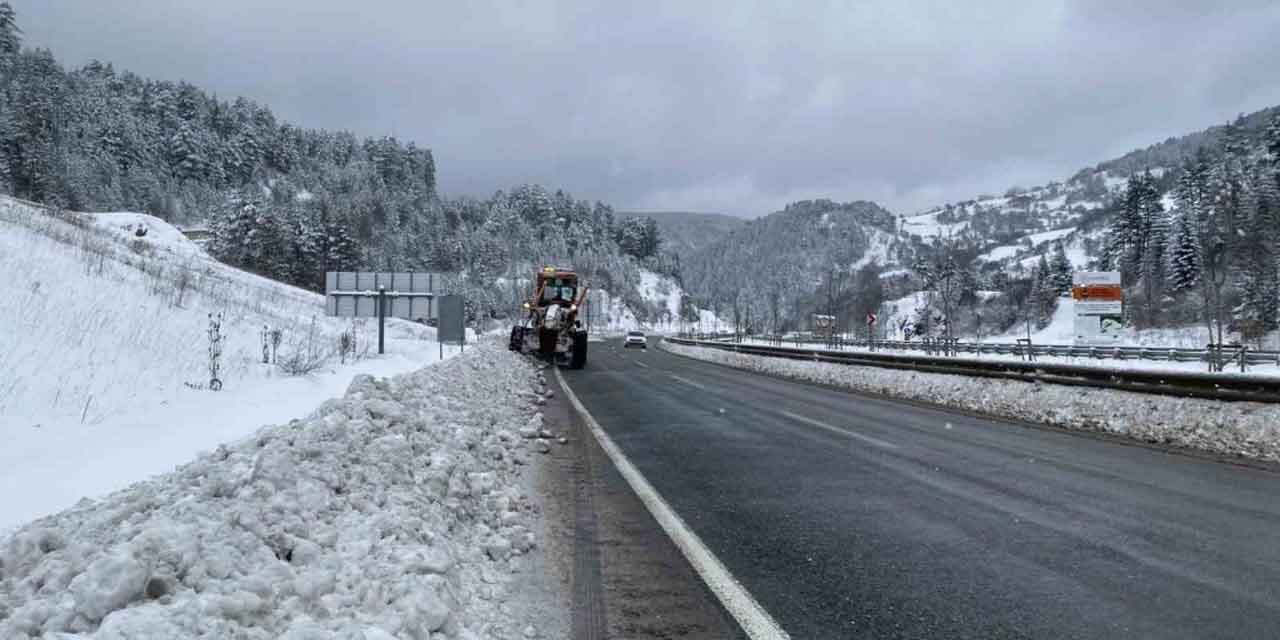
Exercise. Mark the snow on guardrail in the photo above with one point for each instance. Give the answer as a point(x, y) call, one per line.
point(1211, 386)
point(1236, 430)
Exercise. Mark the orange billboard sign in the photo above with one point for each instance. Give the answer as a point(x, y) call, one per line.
point(1097, 292)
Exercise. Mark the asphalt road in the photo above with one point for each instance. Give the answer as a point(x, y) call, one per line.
point(849, 516)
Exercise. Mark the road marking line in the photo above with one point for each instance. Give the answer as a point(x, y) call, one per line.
point(696, 385)
point(641, 364)
point(844, 432)
point(753, 619)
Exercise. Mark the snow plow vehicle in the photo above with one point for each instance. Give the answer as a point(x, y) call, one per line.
point(551, 328)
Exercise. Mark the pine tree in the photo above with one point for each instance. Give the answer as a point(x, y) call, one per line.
point(39, 89)
point(632, 237)
point(269, 245)
point(340, 251)
point(188, 156)
point(1184, 255)
point(1226, 188)
point(1042, 300)
point(1151, 269)
point(10, 36)
point(652, 240)
point(1224, 216)
point(1060, 269)
point(305, 264)
point(231, 231)
point(1125, 227)
point(1257, 278)
point(6, 154)
point(1273, 139)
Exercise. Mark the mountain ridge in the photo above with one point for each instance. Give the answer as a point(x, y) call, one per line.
point(1002, 240)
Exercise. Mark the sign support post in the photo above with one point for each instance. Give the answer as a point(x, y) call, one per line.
point(452, 326)
point(382, 318)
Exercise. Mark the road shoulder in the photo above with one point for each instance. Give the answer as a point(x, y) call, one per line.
point(626, 578)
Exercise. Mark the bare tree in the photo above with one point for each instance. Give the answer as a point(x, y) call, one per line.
point(1213, 280)
point(832, 288)
point(775, 310)
point(941, 273)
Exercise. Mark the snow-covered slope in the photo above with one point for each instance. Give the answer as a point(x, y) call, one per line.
point(927, 225)
point(104, 345)
point(661, 295)
point(905, 310)
point(879, 251)
point(140, 227)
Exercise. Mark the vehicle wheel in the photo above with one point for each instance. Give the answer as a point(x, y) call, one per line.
point(578, 359)
point(517, 339)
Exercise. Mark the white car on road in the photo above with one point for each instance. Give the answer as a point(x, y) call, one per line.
point(635, 339)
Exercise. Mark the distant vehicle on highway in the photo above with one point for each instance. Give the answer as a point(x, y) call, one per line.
point(635, 339)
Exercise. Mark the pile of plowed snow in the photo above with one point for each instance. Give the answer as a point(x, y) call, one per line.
point(393, 511)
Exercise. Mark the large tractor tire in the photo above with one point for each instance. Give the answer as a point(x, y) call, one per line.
point(578, 359)
point(517, 339)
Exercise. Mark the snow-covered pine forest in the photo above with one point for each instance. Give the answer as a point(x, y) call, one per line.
point(1191, 222)
point(287, 202)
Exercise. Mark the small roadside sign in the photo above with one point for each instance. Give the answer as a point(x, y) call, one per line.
point(1099, 307)
point(871, 319)
point(452, 327)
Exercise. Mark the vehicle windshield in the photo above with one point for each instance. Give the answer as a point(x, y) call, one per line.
point(636, 334)
point(558, 289)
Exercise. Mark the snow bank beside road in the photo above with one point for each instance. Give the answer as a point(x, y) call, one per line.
point(393, 511)
point(1243, 429)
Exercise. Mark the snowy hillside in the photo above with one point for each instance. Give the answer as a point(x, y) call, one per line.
point(1010, 255)
point(896, 315)
point(661, 296)
point(783, 256)
point(1025, 222)
point(1015, 229)
point(104, 340)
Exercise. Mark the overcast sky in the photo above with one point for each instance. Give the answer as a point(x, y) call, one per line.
point(737, 107)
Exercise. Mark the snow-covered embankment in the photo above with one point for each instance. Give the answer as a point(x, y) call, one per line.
point(394, 511)
point(1245, 429)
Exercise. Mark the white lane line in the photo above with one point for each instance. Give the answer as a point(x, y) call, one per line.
point(696, 385)
point(753, 619)
point(641, 364)
point(844, 432)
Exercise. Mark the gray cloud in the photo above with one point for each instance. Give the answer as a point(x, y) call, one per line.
point(728, 106)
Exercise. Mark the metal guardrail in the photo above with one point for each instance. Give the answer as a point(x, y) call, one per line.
point(1226, 355)
point(1212, 386)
